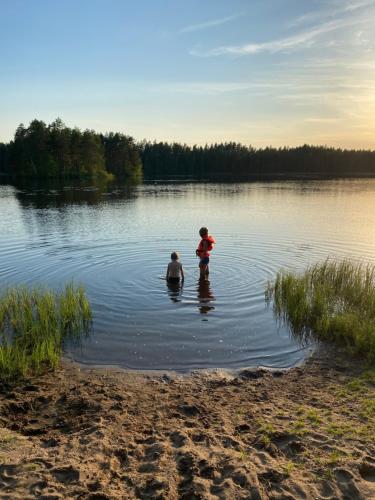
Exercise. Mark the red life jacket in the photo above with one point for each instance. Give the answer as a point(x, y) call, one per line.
point(209, 246)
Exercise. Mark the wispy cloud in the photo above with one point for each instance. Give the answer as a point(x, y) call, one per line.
point(333, 63)
point(342, 9)
point(333, 98)
point(214, 88)
point(322, 119)
point(210, 24)
point(301, 40)
point(299, 87)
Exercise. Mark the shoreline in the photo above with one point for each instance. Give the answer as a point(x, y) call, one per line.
point(319, 350)
point(305, 432)
point(183, 373)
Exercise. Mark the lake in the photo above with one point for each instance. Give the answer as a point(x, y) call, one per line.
point(117, 243)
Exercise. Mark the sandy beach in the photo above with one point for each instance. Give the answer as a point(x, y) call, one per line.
point(100, 434)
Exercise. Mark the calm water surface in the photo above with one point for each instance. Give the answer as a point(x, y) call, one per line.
point(117, 243)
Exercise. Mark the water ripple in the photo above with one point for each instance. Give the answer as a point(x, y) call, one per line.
point(117, 244)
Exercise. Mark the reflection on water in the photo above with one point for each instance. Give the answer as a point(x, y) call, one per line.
point(174, 291)
point(115, 240)
point(50, 195)
point(205, 296)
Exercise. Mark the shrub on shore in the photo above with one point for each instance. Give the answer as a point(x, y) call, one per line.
point(333, 301)
point(34, 325)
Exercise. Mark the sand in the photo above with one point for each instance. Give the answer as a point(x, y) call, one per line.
point(102, 434)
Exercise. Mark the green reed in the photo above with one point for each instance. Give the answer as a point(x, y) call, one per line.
point(34, 324)
point(332, 301)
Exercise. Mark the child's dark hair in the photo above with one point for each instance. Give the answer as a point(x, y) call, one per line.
point(203, 231)
point(174, 256)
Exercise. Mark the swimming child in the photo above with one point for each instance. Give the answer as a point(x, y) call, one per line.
point(175, 271)
point(203, 251)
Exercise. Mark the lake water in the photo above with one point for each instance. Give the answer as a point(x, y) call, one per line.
point(117, 243)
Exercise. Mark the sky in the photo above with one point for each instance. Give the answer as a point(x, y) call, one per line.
point(259, 72)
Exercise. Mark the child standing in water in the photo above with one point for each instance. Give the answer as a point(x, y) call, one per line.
point(203, 251)
point(175, 272)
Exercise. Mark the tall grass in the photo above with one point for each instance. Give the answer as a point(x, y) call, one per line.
point(34, 324)
point(334, 301)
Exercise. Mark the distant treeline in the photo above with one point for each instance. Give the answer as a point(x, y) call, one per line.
point(50, 151)
point(237, 161)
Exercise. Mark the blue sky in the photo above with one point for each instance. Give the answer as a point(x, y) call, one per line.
point(261, 72)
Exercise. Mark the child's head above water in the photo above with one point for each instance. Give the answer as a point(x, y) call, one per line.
point(174, 256)
point(203, 232)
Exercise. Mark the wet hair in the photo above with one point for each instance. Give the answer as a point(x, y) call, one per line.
point(203, 231)
point(174, 256)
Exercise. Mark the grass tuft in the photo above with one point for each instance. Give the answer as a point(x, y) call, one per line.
point(333, 301)
point(34, 324)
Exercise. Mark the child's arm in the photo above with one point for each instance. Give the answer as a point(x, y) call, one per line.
point(199, 251)
point(167, 275)
point(182, 273)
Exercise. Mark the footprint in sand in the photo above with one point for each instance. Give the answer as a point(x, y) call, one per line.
point(153, 488)
point(229, 442)
point(178, 439)
point(8, 475)
point(346, 483)
point(122, 456)
point(66, 474)
point(367, 471)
